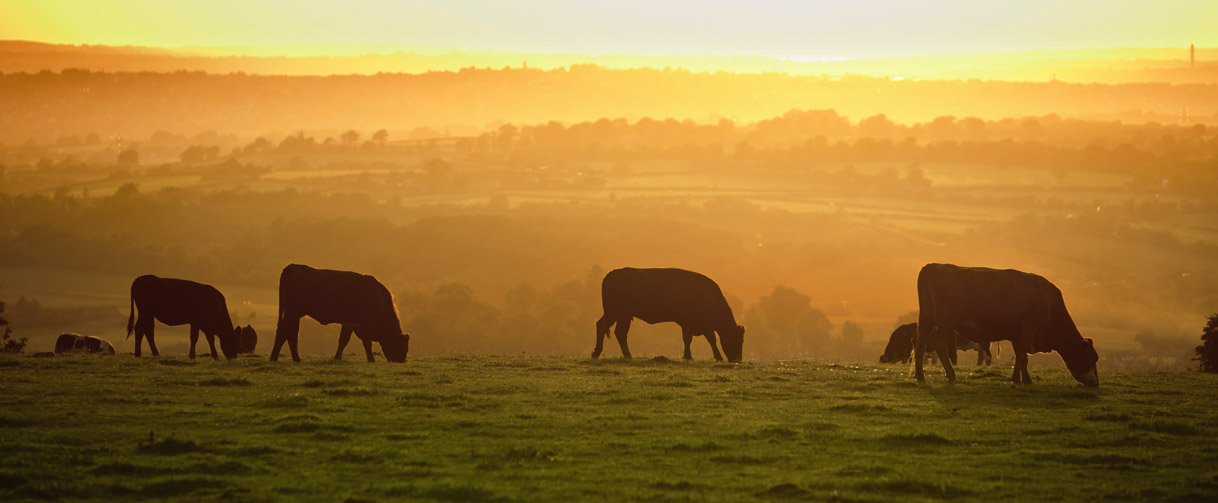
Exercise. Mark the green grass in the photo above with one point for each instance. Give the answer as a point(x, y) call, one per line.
point(542, 428)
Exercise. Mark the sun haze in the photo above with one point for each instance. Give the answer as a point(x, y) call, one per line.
point(809, 30)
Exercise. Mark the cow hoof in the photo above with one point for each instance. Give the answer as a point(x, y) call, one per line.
point(596, 354)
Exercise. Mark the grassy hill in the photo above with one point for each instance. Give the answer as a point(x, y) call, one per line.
point(546, 428)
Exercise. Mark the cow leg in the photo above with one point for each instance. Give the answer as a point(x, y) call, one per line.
point(368, 349)
point(920, 340)
point(620, 331)
point(288, 325)
point(293, 342)
point(211, 341)
point(143, 327)
point(687, 337)
point(602, 331)
point(194, 338)
point(152, 340)
point(344, 336)
point(710, 338)
point(946, 351)
point(1022, 344)
point(1020, 374)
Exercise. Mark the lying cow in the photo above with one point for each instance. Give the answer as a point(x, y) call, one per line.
point(358, 302)
point(901, 346)
point(73, 343)
point(988, 305)
point(181, 302)
point(687, 298)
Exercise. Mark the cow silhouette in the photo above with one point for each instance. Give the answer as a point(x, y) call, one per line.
point(181, 302)
point(901, 345)
point(248, 338)
point(987, 305)
point(691, 300)
point(75, 343)
point(358, 302)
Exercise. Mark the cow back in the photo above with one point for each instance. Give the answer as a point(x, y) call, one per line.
point(662, 295)
point(344, 297)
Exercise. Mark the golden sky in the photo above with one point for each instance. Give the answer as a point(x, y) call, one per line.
point(801, 29)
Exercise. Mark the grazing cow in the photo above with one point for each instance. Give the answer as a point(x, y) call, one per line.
point(690, 299)
point(358, 302)
point(988, 305)
point(180, 302)
point(248, 338)
point(73, 343)
point(901, 345)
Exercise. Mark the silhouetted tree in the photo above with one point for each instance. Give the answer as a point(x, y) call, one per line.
point(128, 157)
point(7, 343)
point(792, 322)
point(380, 136)
point(1207, 352)
point(852, 335)
point(350, 137)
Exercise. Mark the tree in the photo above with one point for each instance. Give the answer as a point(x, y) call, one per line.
point(350, 137)
point(1207, 352)
point(128, 157)
point(7, 343)
point(791, 321)
point(852, 335)
point(380, 136)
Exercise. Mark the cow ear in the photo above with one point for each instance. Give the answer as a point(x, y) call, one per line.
point(740, 328)
point(1089, 342)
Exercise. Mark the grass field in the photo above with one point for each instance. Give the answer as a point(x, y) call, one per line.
point(542, 428)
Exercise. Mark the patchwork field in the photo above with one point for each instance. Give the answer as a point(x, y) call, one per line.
point(548, 428)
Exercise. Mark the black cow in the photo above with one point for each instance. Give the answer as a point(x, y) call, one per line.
point(248, 338)
point(687, 298)
point(358, 302)
point(988, 305)
point(901, 345)
point(73, 343)
point(180, 302)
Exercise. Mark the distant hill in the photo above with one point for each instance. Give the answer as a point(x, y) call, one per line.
point(79, 102)
point(1166, 65)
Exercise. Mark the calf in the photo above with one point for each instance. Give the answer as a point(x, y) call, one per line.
point(73, 343)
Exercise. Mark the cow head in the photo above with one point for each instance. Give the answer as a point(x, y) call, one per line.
point(1080, 358)
point(395, 347)
point(732, 340)
point(230, 343)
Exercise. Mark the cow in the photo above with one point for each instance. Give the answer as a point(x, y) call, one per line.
point(357, 302)
point(901, 345)
point(687, 298)
point(180, 302)
point(988, 305)
point(248, 338)
point(74, 343)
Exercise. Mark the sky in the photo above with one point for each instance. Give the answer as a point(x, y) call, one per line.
point(802, 29)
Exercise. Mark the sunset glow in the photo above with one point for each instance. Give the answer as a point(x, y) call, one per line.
point(869, 28)
point(617, 250)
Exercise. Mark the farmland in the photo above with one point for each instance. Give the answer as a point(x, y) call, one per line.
point(549, 428)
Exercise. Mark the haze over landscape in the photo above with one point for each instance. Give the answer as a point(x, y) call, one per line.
point(490, 163)
point(809, 158)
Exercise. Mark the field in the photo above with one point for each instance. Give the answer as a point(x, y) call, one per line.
point(552, 428)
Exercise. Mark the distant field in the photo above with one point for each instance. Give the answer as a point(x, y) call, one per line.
point(536, 428)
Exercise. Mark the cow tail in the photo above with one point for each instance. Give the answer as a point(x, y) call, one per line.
point(131, 319)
